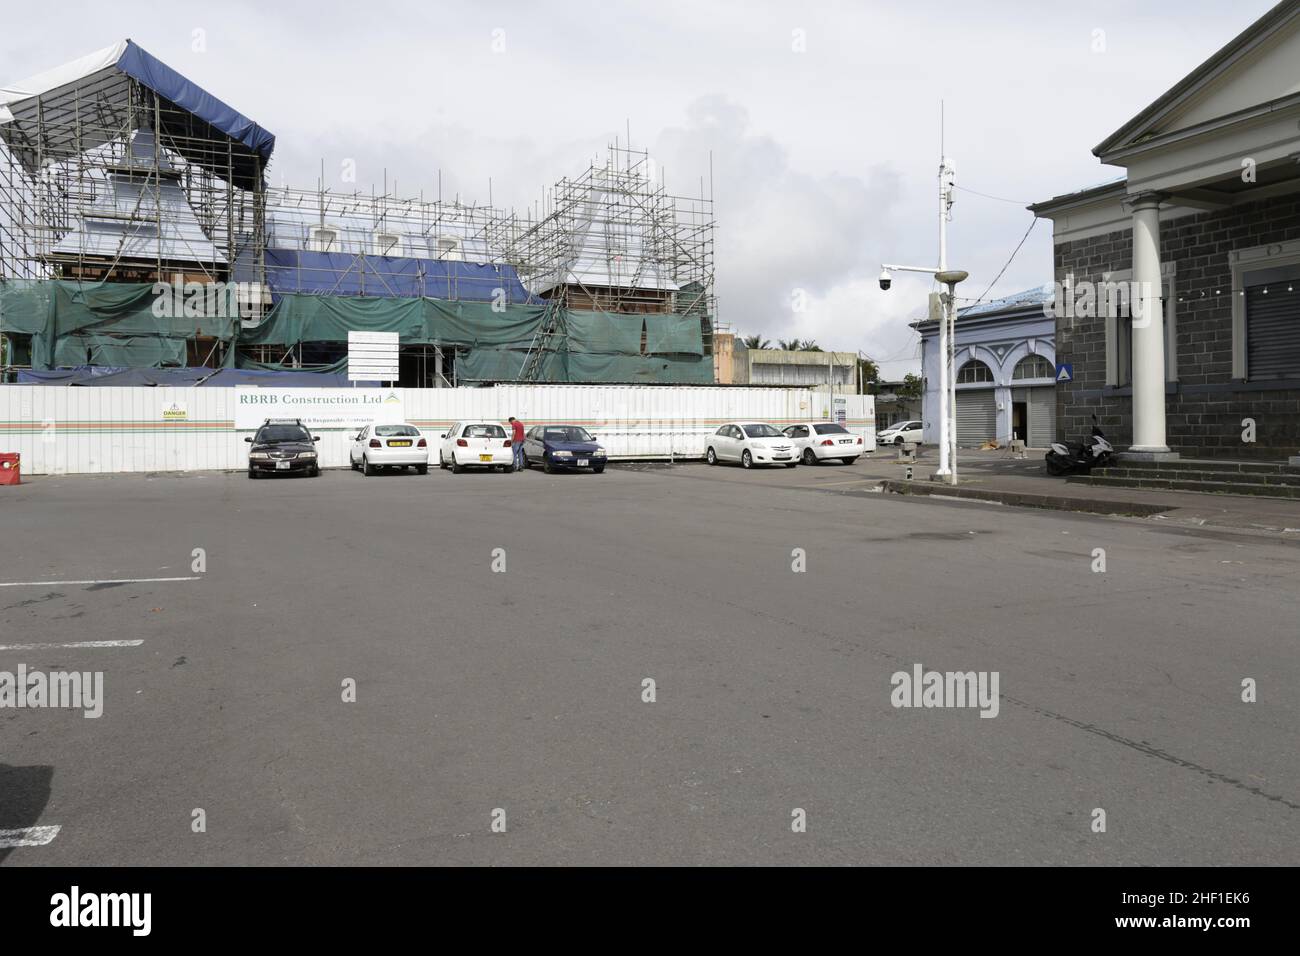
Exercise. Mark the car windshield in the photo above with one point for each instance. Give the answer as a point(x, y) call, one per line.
point(830, 429)
point(388, 431)
point(566, 433)
point(272, 434)
point(762, 431)
point(484, 431)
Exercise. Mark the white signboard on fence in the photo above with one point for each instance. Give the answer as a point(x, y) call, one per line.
point(317, 407)
point(372, 356)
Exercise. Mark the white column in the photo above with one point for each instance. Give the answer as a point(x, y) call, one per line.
point(1148, 329)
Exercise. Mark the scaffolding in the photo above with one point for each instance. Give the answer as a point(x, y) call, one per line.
point(359, 243)
point(614, 239)
point(104, 178)
point(117, 184)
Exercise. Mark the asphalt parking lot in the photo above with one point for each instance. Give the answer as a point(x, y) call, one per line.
point(517, 695)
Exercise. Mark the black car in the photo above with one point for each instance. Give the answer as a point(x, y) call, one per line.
point(283, 447)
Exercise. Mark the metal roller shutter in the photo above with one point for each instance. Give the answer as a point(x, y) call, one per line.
point(977, 416)
point(1272, 332)
point(1042, 416)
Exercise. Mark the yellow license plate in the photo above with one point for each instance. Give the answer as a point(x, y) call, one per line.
point(484, 457)
point(399, 444)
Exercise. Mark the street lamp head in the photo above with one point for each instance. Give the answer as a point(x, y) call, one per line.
point(886, 280)
point(952, 276)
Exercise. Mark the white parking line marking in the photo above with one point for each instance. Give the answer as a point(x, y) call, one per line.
point(28, 836)
point(71, 644)
point(38, 584)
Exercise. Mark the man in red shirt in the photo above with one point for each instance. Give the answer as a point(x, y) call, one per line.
point(517, 442)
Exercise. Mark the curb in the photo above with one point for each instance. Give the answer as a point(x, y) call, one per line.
point(1025, 500)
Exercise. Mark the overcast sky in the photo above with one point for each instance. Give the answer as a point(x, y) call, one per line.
point(825, 142)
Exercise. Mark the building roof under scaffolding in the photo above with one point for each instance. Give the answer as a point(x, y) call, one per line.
point(57, 103)
point(128, 213)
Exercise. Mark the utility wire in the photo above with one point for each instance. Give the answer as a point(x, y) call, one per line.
point(1013, 256)
point(967, 189)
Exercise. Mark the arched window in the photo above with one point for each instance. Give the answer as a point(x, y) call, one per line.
point(974, 372)
point(1033, 366)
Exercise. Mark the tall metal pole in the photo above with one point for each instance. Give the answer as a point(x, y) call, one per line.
point(944, 471)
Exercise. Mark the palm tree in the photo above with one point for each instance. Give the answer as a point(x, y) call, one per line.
point(788, 345)
point(808, 345)
point(756, 342)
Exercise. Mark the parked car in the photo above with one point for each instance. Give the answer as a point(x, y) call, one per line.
point(751, 443)
point(817, 441)
point(389, 446)
point(476, 445)
point(282, 446)
point(900, 433)
point(563, 446)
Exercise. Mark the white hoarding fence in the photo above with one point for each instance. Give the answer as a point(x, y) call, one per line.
point(317, 407)
point(60, 429)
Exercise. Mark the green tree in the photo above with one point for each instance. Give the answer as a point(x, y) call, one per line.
point(808, 345)
point(756, 342)
point(788, 345)
point(912, 387)
point(870, 372)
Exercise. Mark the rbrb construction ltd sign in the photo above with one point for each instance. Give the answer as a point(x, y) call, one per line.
point(317, 407)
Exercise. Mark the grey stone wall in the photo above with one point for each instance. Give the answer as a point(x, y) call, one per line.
point(1206, 407)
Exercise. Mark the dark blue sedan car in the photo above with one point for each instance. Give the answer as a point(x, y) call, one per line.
point(562, 446)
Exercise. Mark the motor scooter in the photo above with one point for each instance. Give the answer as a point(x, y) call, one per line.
point(1080, 458)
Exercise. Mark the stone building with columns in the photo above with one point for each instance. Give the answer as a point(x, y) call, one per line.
point(1199, 352)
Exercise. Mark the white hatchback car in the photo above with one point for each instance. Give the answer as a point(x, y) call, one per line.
point(900, 433)
point(389, 446)
point(750, 443)
point(817, 441)
point(476, 445)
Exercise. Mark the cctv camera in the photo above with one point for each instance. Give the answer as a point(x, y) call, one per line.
point(885, 279)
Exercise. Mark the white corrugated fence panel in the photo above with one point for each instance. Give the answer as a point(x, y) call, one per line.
point(64, 430)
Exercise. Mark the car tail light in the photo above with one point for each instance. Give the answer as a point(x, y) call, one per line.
point(461, 443)
point(422, 444)
point(374, 443)
point(859, 441)
point(828, 442)
point(506, 443)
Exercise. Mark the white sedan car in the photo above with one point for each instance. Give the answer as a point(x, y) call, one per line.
point(750, 443)
point(900, 433)
point(476, 445)
point(389, 446)
point(815, 442)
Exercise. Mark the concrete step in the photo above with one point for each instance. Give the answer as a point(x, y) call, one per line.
point(1221, 487)
point(1211, 465)
point(1190, 474)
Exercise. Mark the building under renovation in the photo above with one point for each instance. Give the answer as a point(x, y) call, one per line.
point(138, 231)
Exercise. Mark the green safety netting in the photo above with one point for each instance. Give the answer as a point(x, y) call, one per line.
point(317, 318)
point(122, 324)
point(504, 365)
point(666, 369)
point(107, 323)
point(497, 365)
point(673, 335)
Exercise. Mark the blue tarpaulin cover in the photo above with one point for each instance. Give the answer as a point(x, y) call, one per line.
point(342, 273)
point(169, 84)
